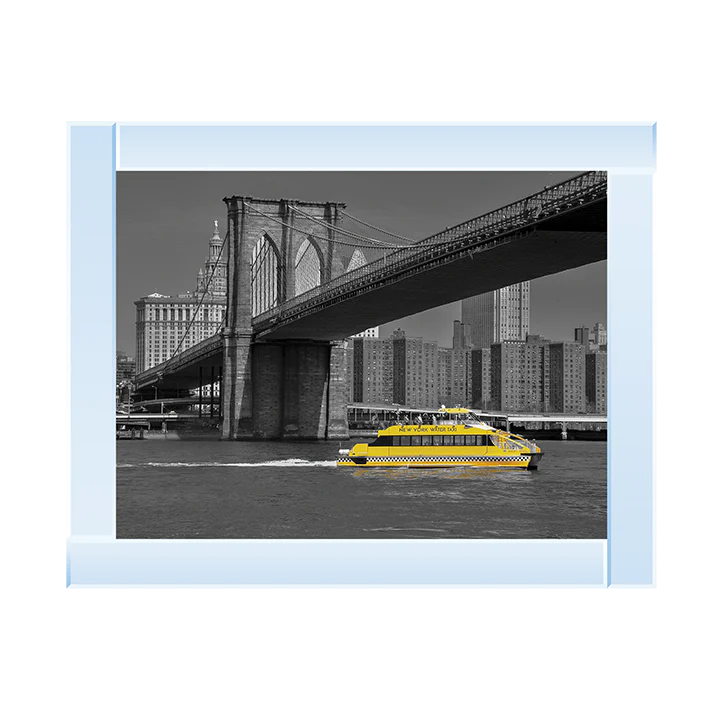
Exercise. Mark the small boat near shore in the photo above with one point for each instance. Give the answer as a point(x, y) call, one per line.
point(456, 438)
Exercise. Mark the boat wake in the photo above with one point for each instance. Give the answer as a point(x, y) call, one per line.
point(270, 463)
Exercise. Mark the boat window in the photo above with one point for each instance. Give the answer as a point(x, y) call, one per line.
point(396, 441)
point(415, 441)
point(427, 441)
point(449, 440)
point(380, 442)
point(460, 440)
point(438, 440)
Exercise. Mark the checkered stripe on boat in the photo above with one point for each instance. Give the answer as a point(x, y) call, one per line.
point(447, 459)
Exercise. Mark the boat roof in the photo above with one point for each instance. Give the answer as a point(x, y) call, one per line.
point(412, 429)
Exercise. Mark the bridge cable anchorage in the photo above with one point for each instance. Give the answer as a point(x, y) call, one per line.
point(388, 233)
point(370, 243)
point(198, 304)
point(350, 234)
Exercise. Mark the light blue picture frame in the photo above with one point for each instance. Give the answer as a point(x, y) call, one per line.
point(96, 150)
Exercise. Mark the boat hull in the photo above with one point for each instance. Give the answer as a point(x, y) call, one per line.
point(524, 461)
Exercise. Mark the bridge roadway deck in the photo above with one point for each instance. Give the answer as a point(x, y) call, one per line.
point(423, 277)
point(509, 261)
point(182, 371)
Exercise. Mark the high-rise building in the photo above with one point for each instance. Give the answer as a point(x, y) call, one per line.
point(415, 371)
point(372, 370)
point(166, 325)
point(519, 373)
point(479, 375)
point(582, 336)
point(567, 377)
point(596, 382)
point(349, 347)
point(498, 315)
point(454, 376)
point(372, 333)
point(599, 335)
point(462, 336)
point(125, 367)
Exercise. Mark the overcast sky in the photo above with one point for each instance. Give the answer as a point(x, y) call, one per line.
point(166, 218)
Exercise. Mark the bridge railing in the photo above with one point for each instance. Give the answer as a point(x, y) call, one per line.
point(513, 217)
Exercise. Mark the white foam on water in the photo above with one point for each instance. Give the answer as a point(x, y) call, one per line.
point(271, 463)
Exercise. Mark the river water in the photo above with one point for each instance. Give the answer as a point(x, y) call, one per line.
point(212, 489)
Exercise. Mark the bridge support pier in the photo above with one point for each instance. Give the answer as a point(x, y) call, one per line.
point(286, 390)
point(277, 389)
point(337, 415)
point(238, 420)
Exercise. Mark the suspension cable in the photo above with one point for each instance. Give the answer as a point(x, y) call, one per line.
point(389, 233)
point(378, 245)
point(198, 303)
point(344, 232)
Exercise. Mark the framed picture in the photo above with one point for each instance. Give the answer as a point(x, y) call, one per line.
point(361, 354)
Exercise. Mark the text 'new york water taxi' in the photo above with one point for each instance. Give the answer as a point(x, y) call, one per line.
point(456, 438)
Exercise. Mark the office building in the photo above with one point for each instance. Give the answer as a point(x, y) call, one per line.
point(498, 315)
point(582, 336)
point(372, 368)
point(479, 379)
point(519, 376)
point(599, 335)
point(415, 371)
point(462, 336)
point(125, 367)
point(167, 325)
point(454, 375)
point(596, 364)
point(567, 377)
point(372, 333)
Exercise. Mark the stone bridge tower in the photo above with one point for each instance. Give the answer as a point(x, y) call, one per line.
point(281, 389)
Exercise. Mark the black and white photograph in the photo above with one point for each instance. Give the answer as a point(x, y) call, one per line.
point(361, 355)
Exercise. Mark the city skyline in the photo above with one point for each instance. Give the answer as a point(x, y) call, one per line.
point(165, 219)
point(532, 375)
point(450, 345)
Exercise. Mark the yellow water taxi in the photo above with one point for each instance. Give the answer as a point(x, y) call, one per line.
point(456, 438)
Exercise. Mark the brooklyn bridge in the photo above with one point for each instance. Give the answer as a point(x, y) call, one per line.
point(299, 284)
